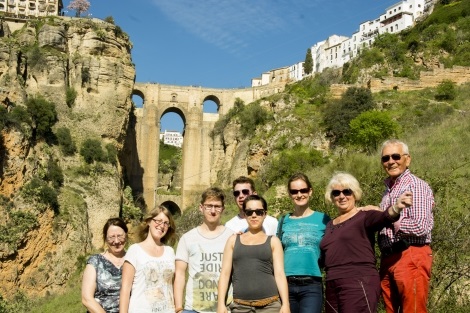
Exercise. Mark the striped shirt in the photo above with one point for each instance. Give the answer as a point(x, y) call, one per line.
point(416, 222)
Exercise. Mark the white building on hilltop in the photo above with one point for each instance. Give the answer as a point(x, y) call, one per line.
point(336, 50)
point(172, 137)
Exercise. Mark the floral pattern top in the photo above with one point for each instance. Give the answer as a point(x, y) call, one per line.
point(108, 282)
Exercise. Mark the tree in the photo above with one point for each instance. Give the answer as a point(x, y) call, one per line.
point(339, 113)
point(79, 6)
point(308, 64)
point(370, 128)
point(43, 115)
point(91, 151)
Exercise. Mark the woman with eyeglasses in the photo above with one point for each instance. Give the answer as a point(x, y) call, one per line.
point(254, 262)
point(149, 267)
point(102, 276)
point(301, 232)
point(352, 279)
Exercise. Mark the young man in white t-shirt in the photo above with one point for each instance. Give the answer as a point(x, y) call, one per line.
point(200, 252)
point(242, 188)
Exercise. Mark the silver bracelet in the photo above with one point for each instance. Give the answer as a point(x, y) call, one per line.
point(394, 209)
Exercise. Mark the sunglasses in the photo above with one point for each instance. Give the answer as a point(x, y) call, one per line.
point(236, 193)
point(346, 192)
point(395, 157)
point(296, 191)
point(258, 212)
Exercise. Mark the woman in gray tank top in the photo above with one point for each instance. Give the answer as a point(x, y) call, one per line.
point(254, 262)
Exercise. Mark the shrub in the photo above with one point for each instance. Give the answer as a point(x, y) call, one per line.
point(67, 146)
point(18, 224)
point(446, 90)
point(54, 174)
point(297, 159)
point(3, 117)
point(91, 151)
point(85, 76)
point(35, 57)
point(109, 19)
point(43, 115)
point(370, 128)
point(111, 153)
point(252, 116)
point(39, 191)
point(70, 96)
point(338, 114)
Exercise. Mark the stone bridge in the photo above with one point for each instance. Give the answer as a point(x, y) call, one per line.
point(144, 134)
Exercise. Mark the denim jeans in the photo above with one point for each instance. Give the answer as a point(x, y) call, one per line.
point(306, 298)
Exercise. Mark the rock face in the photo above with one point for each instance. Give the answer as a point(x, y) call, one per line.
point(55, 58)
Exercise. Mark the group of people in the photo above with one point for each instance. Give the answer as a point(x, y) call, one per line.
point(255, 263)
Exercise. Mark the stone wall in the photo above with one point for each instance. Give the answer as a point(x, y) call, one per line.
point(428, 79)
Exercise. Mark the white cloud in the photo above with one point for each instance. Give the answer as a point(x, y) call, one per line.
point(232, 24)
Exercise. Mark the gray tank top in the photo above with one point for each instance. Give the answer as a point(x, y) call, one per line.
point(253, 272)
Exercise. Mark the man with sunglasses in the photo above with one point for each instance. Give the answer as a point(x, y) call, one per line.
point(242, 188)
point(200, 252)
point(406, 256)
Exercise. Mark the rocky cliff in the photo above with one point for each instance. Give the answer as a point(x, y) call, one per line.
point(84, 68)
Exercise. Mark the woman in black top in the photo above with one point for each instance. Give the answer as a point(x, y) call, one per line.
point(255, 263)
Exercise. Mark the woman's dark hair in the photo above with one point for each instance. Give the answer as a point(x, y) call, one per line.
point(299, 176)
point(255, 198)
point(114, 221)
point(170, 233)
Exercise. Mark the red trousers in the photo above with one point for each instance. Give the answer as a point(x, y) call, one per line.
point(404, 279)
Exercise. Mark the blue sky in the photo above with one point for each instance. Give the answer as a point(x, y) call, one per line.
point(226, 43)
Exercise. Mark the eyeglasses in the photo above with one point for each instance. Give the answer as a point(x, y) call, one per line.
point(395, 157)
point(160, 222)
point(296, 191)
point(246, 192)
point(345, 192)
point(258, 212)
point(116, 237)
point(216, 207)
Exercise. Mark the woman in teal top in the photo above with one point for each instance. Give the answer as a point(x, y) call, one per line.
point(301, 232)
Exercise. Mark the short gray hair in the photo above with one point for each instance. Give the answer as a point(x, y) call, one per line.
point(345, 180)
point(395, 142)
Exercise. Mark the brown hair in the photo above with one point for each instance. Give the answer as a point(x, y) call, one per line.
point(114, 221)
point(244, 180)
point(170, 233)
point(213, 193)
point(299, 176)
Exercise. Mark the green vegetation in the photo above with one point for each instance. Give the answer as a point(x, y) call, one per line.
point(44, 195)
point(308, 64)
point(43, 116)
point(371, 128)
point(445, 34)
point(130, 211)
point(70, 96)
point(170, 158)
point(250, 116)
point(446, 91)
point(66, 144)
point(338, 114)
point(18, 224)
point(91, 151)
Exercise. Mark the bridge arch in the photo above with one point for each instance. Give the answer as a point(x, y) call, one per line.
point(187, 102)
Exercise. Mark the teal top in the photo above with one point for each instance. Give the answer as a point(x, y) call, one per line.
point(301, 241)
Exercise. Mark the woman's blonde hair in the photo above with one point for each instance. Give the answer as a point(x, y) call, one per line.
point(170, 233)
point(345, 180)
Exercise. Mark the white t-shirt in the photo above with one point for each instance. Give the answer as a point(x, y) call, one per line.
point(152, 289)
point(238, 225)
point(204, 258)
